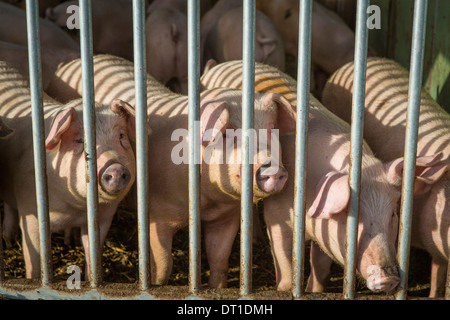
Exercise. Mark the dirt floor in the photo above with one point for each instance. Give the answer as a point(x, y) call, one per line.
point(120, 263)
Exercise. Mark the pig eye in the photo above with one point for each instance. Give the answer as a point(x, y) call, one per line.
point(123, 140)
point(79, 140)
point(288, 13)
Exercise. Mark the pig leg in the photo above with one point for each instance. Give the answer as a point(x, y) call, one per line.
point(10, 224)
point(30, 243)
point(105, 216)
point(219, 237)
point(320, 269)
point(85, 242)
point(258, 235)
point(161, 237)
point(438, 275)
point(280, 236)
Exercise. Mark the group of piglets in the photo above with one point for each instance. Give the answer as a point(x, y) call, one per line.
point(221, 31)
point(327, 189)
point(168, 191)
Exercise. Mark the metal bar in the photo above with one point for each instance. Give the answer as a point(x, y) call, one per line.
point(37, 113)
point(140, 76)
point(248, 85)
point(412, 124)
point(303, 82)
point(447, 287)
point(90, 140)
point(194, 148)
point(2, 254)
point(359, 86)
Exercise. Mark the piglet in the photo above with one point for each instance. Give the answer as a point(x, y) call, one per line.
point(42, 5)
point(221, 35)
point(332, 41)
point(327, 191)
point(180, 5)
point(65, 164)
point(17, 55)
point(51, 35)
point(166, 44)
point(384, 129)
point(56, 45)
point(220, 119)
point(112, 25)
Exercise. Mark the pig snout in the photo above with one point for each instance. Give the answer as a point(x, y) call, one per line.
point(114, 178)
point(271, 179)
point(383, 279)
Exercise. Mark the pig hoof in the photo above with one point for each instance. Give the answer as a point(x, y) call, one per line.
point(284, 286)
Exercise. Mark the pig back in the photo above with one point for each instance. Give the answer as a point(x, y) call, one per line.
point(15, 110)
point(113, 79)
point(50, 34)
point(386, 110)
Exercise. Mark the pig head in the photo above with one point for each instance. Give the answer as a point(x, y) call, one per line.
point(221, 33)
point(222, 155)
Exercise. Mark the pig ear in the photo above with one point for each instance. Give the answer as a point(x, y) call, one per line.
point(60, 124)
point(211, 63)
point(268, 46)
point(332, 196)
point(214, 118)
point(4, 130)
point(174, 32)
point(125, 110)
point(286, 115)
point(429, 169)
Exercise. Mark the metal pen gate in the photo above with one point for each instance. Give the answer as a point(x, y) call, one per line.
point(361, 45)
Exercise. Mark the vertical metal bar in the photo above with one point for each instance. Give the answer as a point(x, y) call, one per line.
point(90, 140)
point(248, 86)
point(194, 148)
point(412, 123)
point(140, 76)
point(304, 67)
point(359, 86)
point(447, 286)
point(2, 256)
point(37, 112)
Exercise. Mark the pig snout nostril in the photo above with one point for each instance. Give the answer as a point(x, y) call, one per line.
point(115, 178)
point(391, 271)
point(384, 279)
point(271, 179)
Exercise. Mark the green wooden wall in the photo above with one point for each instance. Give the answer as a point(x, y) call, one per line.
point(393, 40)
